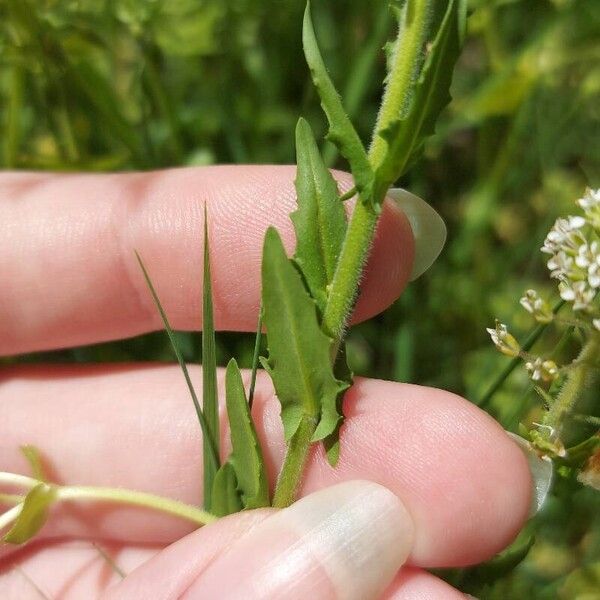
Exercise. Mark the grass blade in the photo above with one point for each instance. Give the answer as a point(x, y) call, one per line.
point(210, 401)
point(256, 356)
point(210, 456)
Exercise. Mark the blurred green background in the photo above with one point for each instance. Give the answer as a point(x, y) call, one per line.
point(101, 85)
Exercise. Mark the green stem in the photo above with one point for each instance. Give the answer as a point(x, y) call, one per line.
point(141, 499)
point(343, 291)
point(406, 61)
point(344, 286)
point(293, 465)
point(576, 383)
point(405, 65)
point(532, 338)
point(10, 516)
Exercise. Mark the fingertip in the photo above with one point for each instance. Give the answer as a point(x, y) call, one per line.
point(345, 541)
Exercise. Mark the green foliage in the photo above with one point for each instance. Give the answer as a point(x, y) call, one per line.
point(210, 456)
point(33, 515)
point(299, 352)
point(34, 459)
point(246, 456)
point(405, 132)
point(210, 400)
point(225, 497)
point(341, 131)
point(517, 144)
point(320, 220)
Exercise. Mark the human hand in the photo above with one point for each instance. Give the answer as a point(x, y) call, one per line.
point(459, 489)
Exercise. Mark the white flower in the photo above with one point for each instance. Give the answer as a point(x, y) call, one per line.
point(503, 340)
point(588, 259)
point(533, 304)
point(576, 292)
point(560, 265)
point(563, 235)
point(590, 200)
point(545, 370)
point(596, 324)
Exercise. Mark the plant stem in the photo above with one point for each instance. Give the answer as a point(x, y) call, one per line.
point(343, 291)
point(10, 515)
point(17, 480)
point(141, 499)
point(359, 237)
point(293, 465)
point(576, 383)
point(406, 61)
point(353, 256)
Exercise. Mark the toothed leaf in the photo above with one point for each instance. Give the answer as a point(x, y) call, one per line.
point(299, 352)
point(405, 136)
point(320, 221)
point(341, 131)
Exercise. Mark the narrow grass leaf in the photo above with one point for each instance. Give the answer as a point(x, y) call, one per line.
point(210, 401)
point(246, 456)
point(405, 136)
point(211, 455)
point(299, 352)
point(341, 131)
point(256, 355)
point(33, 515)
point(320, 220)
point(226, 498)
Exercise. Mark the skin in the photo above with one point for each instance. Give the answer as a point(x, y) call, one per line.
point(69, 277)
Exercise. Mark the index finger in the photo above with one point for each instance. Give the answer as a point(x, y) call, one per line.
point(67, 266)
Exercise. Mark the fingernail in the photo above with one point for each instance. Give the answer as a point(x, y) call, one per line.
point(542, 470)
point(346, 542)
point(428, 228)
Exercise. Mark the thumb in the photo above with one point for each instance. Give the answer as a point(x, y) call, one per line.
point(343, 542)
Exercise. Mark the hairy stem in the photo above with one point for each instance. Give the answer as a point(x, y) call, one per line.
point(404, 69)
point(577, 382)
point(343, 290)
point(293, 465)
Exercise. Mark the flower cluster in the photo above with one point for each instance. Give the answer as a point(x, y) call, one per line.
point(574, 246)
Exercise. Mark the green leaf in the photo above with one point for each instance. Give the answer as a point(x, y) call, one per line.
point(246, 456)
point(225, 499)
point(34, 459)
point(211, 456)
point(256, 355)
point(406, 134)
point(299, 352)
point(341, 131)
point(210, 401)
point(33, 515)
point(320, 221)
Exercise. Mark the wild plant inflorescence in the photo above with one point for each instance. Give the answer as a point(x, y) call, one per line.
point(569, 431)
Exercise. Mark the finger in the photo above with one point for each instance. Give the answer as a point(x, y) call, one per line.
point(465, 483)
point(416, 584)
point(68, 570)
point(67, 266)
point(344, 542)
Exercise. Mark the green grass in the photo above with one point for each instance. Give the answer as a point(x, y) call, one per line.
point(128, 84)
